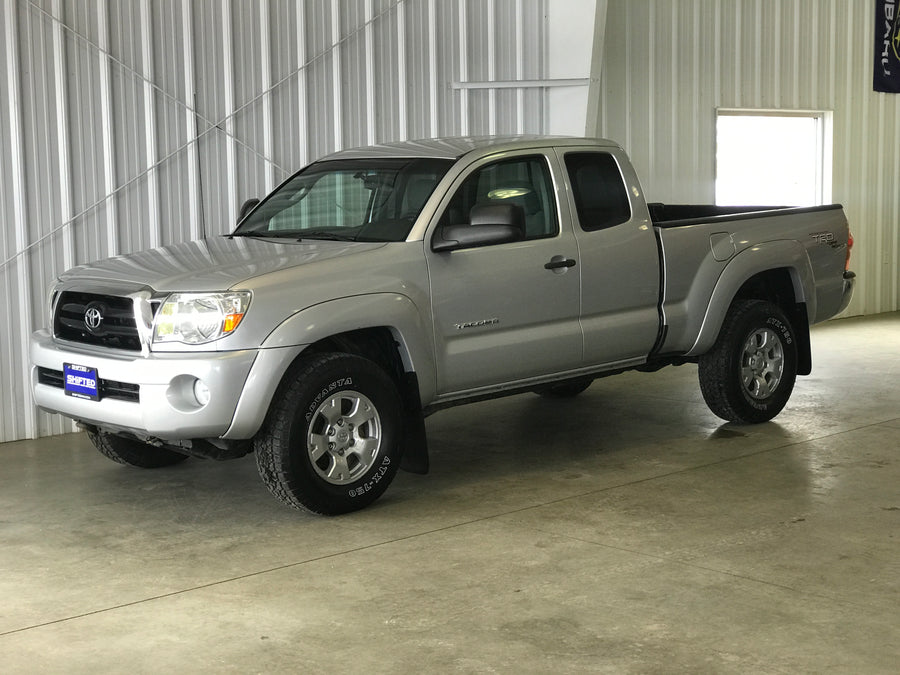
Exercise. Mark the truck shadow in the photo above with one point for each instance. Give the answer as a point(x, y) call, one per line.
point(517, 443)
point(597, 430)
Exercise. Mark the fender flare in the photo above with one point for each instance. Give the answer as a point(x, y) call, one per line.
point(769, 256)
point(394, 311)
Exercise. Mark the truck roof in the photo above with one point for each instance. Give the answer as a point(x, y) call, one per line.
point(456, 147)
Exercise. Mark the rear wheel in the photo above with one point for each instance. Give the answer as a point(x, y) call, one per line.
point(133, 452)
point(749, 374)
point(331, 441)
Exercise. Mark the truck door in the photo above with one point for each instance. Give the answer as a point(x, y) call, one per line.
point(620, 266)
point(506, 312)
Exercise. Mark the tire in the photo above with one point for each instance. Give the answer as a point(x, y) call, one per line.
point(748, 375)
point(133, 452)
point(331, 442)
point(568, 389)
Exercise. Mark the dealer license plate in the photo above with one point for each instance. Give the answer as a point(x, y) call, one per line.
point(81, 381)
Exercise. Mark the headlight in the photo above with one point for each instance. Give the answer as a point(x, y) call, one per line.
point(195, 318)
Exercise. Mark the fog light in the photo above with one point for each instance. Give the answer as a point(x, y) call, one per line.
point(201, 392)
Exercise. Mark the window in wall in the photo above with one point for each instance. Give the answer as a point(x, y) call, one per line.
point(773, 158)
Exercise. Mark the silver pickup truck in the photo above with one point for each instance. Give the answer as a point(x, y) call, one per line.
point(379, 285)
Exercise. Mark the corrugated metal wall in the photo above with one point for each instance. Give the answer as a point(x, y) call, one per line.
point(670, 63)
point(126, 125)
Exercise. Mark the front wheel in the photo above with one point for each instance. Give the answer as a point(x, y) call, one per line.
point(749, 374)
point(331, 441)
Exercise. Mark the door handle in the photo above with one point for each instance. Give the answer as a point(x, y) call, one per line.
point(559, 262)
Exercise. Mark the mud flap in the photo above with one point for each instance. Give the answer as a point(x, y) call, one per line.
point(800, 324)
point(415, 444)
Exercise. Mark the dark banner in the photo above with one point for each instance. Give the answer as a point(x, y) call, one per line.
point(887, 46)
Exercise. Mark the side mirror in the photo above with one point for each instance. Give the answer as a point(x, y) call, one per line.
point(489, 224)
point(247, 207)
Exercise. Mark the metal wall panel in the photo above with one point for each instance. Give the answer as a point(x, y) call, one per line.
point(127, 125)
point(670, 63)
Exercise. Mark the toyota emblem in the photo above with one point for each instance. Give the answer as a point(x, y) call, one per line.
point(93, 318)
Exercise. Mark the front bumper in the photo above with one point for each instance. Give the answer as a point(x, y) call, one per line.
point(163, 404)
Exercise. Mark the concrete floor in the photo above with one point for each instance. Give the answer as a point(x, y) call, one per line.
point(624, 531)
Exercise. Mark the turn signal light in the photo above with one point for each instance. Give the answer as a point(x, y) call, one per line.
point(849, 248)
point(232, 320)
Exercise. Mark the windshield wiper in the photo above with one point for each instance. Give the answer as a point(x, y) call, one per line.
point(325, 234)
point(264, 234)
point(311, 234)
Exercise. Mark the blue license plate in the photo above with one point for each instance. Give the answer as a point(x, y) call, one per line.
point(81, 381)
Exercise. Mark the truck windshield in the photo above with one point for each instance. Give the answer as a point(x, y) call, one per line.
point(353, 200)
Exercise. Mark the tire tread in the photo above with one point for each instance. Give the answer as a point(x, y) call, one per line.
point(273, 455)
point(719, 383)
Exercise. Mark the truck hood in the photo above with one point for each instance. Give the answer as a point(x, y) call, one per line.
point(214, 264)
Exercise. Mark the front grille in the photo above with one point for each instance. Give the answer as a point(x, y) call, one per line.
point(124, 391)
point(52, 378)
point(116, 327)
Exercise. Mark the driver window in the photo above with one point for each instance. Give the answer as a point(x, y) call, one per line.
point(524, 182)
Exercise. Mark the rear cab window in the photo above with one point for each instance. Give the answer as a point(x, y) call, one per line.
point(598, 188)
